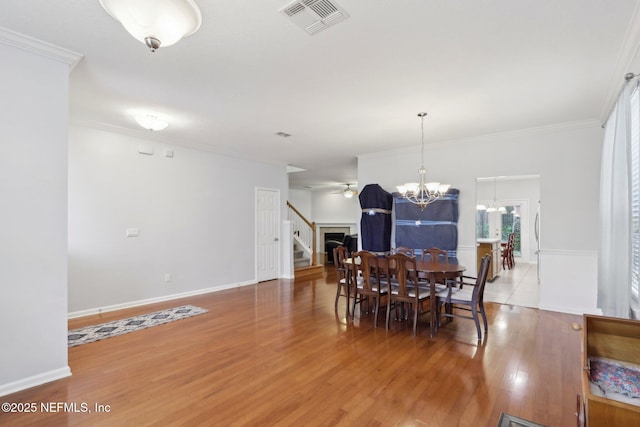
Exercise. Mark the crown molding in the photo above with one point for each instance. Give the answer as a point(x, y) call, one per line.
point(157, 137)
point(496, 137)
point(40, 47)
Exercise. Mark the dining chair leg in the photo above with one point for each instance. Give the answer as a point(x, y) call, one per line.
point(388, 315)
point(474, 313)
point(484, 317)
point(353, 306)
point(347, 291)
point(375, 314)
point(415, 319)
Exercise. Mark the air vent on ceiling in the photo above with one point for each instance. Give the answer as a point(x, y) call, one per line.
point(314, 15)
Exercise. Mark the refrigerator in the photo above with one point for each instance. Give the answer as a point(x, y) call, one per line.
point(536, 227)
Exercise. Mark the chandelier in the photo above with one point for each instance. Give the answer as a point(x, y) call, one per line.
point(494, 204)
point(422, 193)
point(156, 22)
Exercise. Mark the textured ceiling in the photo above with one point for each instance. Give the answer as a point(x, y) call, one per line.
point(477, 68)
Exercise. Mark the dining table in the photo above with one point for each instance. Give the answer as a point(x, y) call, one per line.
point(435, 271)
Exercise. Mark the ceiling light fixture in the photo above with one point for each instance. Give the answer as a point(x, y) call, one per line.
point(494, 205)
point(422, 193)
point(151, 122)
point(348, 192)
point(156, 22)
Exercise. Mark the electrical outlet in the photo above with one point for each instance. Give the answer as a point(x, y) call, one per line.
point(167, 277)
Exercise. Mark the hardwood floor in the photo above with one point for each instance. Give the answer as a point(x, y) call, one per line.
point(277, 354)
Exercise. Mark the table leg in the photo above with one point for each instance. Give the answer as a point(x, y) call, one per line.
point(432, 309)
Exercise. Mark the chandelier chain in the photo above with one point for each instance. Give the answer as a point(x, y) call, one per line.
point(422, 193)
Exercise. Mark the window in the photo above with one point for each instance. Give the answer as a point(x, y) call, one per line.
point(635, 193)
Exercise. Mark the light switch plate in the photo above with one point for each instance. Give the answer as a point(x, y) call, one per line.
point(133, 232)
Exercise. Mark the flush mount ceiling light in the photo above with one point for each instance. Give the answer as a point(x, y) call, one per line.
point(156, 22)
point(422, 193)
point(151, 122)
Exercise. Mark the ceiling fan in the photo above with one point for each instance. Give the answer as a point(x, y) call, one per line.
point(347, 192)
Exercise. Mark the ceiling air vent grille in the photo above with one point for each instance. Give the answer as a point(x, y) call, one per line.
point(314, 15)
point(322, 7)
point(294, 9)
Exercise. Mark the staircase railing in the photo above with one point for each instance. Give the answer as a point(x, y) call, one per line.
point(304, 232)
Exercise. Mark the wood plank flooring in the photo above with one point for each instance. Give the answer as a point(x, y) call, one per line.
point(277, 353)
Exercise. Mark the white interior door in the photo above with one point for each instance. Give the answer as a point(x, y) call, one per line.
point(268, 233)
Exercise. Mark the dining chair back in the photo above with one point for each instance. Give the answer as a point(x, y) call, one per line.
point(373, 283)
point(435, 254)
point(508, 260)
point(340, 254)
point(469, 299)
point(403, 250)
point(404, 289)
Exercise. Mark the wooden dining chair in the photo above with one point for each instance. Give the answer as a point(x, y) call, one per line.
point(508, 260)
point(340, 254)
point(372, 286)
point(403, 250)
point(404, 290)
point(434, 254)
point(469, 299)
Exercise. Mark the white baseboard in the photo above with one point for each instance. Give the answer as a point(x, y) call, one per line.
point(98, 310)
point(34, 380)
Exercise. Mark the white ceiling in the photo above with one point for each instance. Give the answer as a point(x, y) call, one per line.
point(477, 68)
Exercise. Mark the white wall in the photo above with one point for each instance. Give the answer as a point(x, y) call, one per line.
point(195, 214)
point(567, 158)
point(301, 200)
point(33, 236)
point(330, 207)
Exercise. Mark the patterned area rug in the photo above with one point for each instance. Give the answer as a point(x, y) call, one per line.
point(119, 327)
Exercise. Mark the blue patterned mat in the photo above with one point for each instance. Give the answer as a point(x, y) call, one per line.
point(119, 327)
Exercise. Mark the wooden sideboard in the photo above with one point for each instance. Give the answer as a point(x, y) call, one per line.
point(611, 338)
point(492, 247)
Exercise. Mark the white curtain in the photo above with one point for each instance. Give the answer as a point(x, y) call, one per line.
point(614, 260)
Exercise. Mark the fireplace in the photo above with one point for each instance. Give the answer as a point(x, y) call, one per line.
point(331, 237)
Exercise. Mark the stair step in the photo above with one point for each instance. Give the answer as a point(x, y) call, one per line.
point(301, 262)
point(310, 272)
